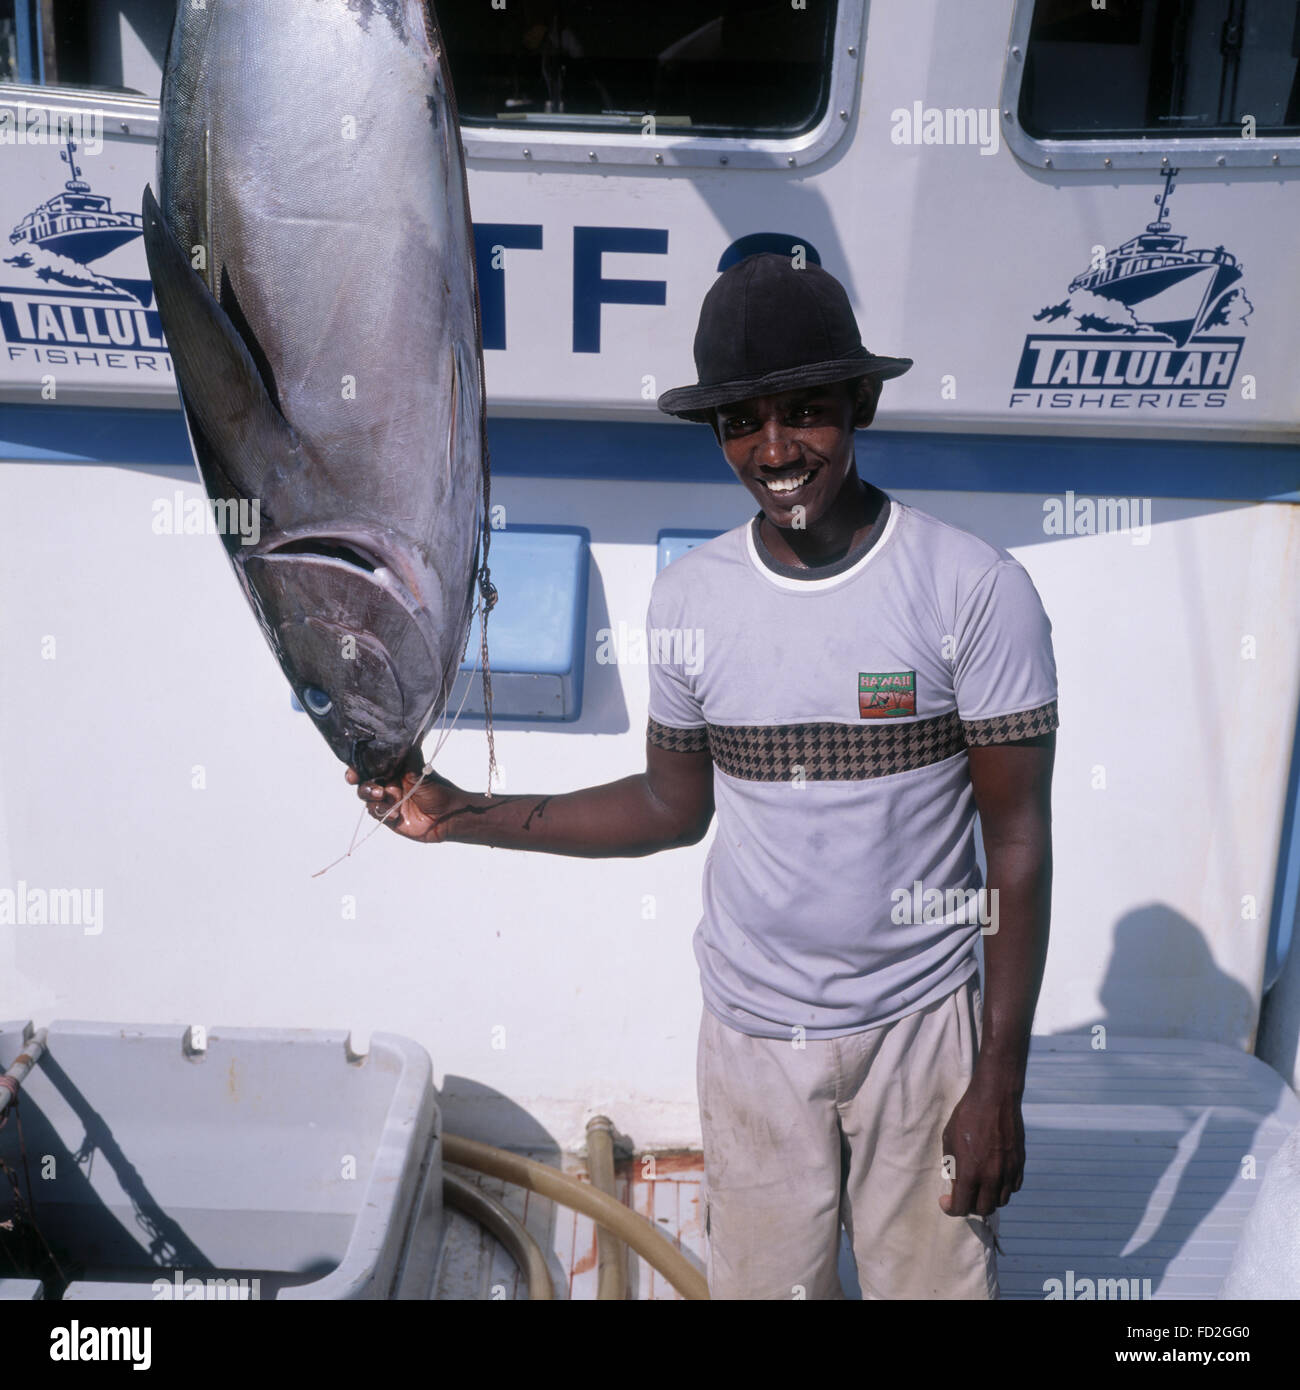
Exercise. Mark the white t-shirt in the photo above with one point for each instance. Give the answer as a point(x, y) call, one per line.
point(840, 892)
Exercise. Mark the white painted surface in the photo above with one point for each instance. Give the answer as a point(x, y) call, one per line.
point(1266, 1261)
point(211, 913)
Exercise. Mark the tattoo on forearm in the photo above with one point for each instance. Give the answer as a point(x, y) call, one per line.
point(538, 810)
point(475, 810)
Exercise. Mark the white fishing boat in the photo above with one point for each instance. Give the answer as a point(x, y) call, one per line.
point(195, 1000)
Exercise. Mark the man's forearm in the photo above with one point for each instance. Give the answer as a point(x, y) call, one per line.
point(618, 819)
point(1014, 957)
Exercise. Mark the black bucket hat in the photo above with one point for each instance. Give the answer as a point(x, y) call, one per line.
point(767, 327)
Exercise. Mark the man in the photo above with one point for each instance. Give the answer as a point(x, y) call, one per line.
point(870, 678)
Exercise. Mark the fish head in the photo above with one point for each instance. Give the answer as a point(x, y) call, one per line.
point(356, 645)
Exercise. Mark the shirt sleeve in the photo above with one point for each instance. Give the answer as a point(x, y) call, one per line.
point(676, 720)
point(1004, 670)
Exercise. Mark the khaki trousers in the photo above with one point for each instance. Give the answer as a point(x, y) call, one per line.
point(798, 1139)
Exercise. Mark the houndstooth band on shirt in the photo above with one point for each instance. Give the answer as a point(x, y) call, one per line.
point(825, 752)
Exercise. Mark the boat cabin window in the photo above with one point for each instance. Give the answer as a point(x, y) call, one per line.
point(725, 67)
point(8, 43)
point(107, 45)
point(1181, 68)
point(704, 71)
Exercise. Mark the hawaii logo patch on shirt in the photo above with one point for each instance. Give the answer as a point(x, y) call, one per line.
point(886, 694)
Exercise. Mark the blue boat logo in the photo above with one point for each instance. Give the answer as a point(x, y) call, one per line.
point(59, 306)
point(1154, 282)
point(1138, 327)
point(58, 242)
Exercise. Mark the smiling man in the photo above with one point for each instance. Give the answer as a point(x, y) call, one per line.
point(871, 677)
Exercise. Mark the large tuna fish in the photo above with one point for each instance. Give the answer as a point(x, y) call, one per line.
point(313, 259)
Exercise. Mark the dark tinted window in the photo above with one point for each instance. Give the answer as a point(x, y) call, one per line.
point(1161, 67)
point(11, 70)
point(754, 67)
point(707, 66)
point(110, 45)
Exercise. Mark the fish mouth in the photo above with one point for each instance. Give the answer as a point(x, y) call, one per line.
point(332, 548)
point(364, 557)
point(372, 764)
point(376, 760)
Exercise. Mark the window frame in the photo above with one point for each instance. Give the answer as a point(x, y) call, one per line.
point(27, 41)
point(668, 150)
point(1151, 152)
point(140, 117)
point(121, 115)
point(131, 114)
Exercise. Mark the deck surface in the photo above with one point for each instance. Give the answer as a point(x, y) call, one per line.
point(1138, 1168)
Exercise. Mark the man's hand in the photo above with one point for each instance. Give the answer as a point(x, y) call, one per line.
point(418, 819)
point(986, 1139)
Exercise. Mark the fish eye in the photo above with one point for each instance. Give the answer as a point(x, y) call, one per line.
point(316, 700)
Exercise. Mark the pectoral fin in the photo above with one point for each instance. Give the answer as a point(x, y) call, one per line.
point(248, 449)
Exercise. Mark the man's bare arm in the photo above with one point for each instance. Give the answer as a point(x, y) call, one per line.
point(667, 805)
point(1013, 791)
point(1012, 784)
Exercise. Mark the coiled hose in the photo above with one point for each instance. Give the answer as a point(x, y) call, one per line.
point(495, 1217)
point(603, 1209)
